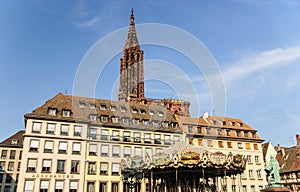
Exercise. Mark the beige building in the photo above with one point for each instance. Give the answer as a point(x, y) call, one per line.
point(10, 162)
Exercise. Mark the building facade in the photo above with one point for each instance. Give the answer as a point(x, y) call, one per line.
point(11, 150)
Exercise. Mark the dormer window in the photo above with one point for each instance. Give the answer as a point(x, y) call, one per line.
point(14, 141)
point(123, 109)
point(155, 123)
point(113, 108)
point(115, 119)
point(160, 114)
point(240, 124)
point(134, 110)
point(190, 128)
point(245, 133)
point(165, 124)
point(92, 106)
point(151, 112)
point(103, 118)
point(135, 121)
point(66, 113)
point(52, 112)
point(253, 135)
point(125, 121)
point(223, 123)
point(102, 107)
point(81, 105)
point(232, 123)
point(143, 111)
point(146, 122)
point(93, 117)
point(214, 122)
point(238, 133)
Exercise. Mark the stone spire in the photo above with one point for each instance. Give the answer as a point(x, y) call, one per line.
point(132, 40)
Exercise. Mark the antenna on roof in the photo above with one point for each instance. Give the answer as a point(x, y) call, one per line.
point(291, 141)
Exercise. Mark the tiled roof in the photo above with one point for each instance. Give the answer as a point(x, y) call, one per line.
point(289, 159)
point(15, 140)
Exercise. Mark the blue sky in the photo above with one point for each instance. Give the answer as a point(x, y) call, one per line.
point(256, 44)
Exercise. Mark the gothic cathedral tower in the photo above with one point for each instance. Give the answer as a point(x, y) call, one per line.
point(132, 67)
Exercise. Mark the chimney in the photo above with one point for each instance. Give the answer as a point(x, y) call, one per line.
point(298, 139)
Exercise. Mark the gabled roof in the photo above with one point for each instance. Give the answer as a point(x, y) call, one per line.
point(16, 140)
point(289, 159)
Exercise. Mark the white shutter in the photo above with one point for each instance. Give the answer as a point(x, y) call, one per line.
point(64, 128)
point(48, 145)
point(127, 150)
point(59, 185)
point(104, 132)
point(36, 127)
point(34, 144)
point(77, 128)
point(149, 151)
point(116, 149)
point(73, 185)
point(138, 151)
point(104, 166)
point(115, 167)
point(176, 138)
point(32, 163)
point(147, 136)
point(44, 185)
point(93, 131)
point(47, 163)
point(76, 146)
point(115, 133)
point(29, 185)
point(104, 148)
point(126, 133)
point(93, 148)
point(63, 146)
point(156, 136)
point(136, 134)
point(167, 137)
point(51, 127)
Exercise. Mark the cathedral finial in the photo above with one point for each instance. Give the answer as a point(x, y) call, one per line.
point(132, 17)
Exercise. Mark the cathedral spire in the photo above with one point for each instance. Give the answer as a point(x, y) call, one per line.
point(132, 40)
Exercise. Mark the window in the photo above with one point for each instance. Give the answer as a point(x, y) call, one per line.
point(224, 123)
point(137, 137)
point(208, 130)
point(165, 124)
point(113, 108)
point(220, 144)
point(138, 151)
point(251, 174)
point(28, 186)
point(34, 145)
point(127, 151)
point(253, 135)
point(146, 122)
point(149, 152)
point(61, 166)
point(93, 149)
point(244, 188)
point(240, 124)
point(64, 130)
point(209, 143)
point(104, 134)
point(151, 112)
point(90, 186)
point(93, 117)
point(240, 146)
point(81, 105)
point(20, 155)
point(116, 135)
point(46, 165)
point(255, 146)
point(175, 139)
point(259, 174)
point(1, 177)
point(92, 106)
point(227, 132)
point(75, 166)
point(232, 123)
point(50, 128)
point(2, 165)
point(147, 138)
point(73, 186)
point(238, 133)
point(77, 130)
point(36, 127)
point(158, 150)
point(115, 168)
point(104, 150)
point(19, 167)
point(115, 119)
point(14, 141)
point(103, 118)
point(233, 187)
point(31, 165)
point(48, 148)
point(219, 131)
point(44, 185)
point(246, 134)
point(3, 154)
point(76, 148)
point(191, 141)
point(199, 129)
point(59, 186)
point(102, 107)
point(157, 139)
point(134, 110)
point(249, 159)
point(135, 121)
point(12, 154)
point(167, 140)
point(160, 113)
point(116, 151)
point(248, 146)
point(7, 189)
point(66, 113)
point(252, 188)
point(256, 159)
point(190, 128)
point(52, 112)
point(199, 142)
point(103, 187)
point(155, 123)
point(229, 144)
point(10, 166)
point(123, 109)
point(62, 148)
point(103, 168)
point(92, 133)
point(114, 187)
point(126, 137)
point(91, 168)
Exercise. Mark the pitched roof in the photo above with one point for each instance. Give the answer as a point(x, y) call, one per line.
point(16, 140)
point(289, 159)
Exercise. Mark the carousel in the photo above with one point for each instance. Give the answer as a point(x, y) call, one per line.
point(180, 168)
